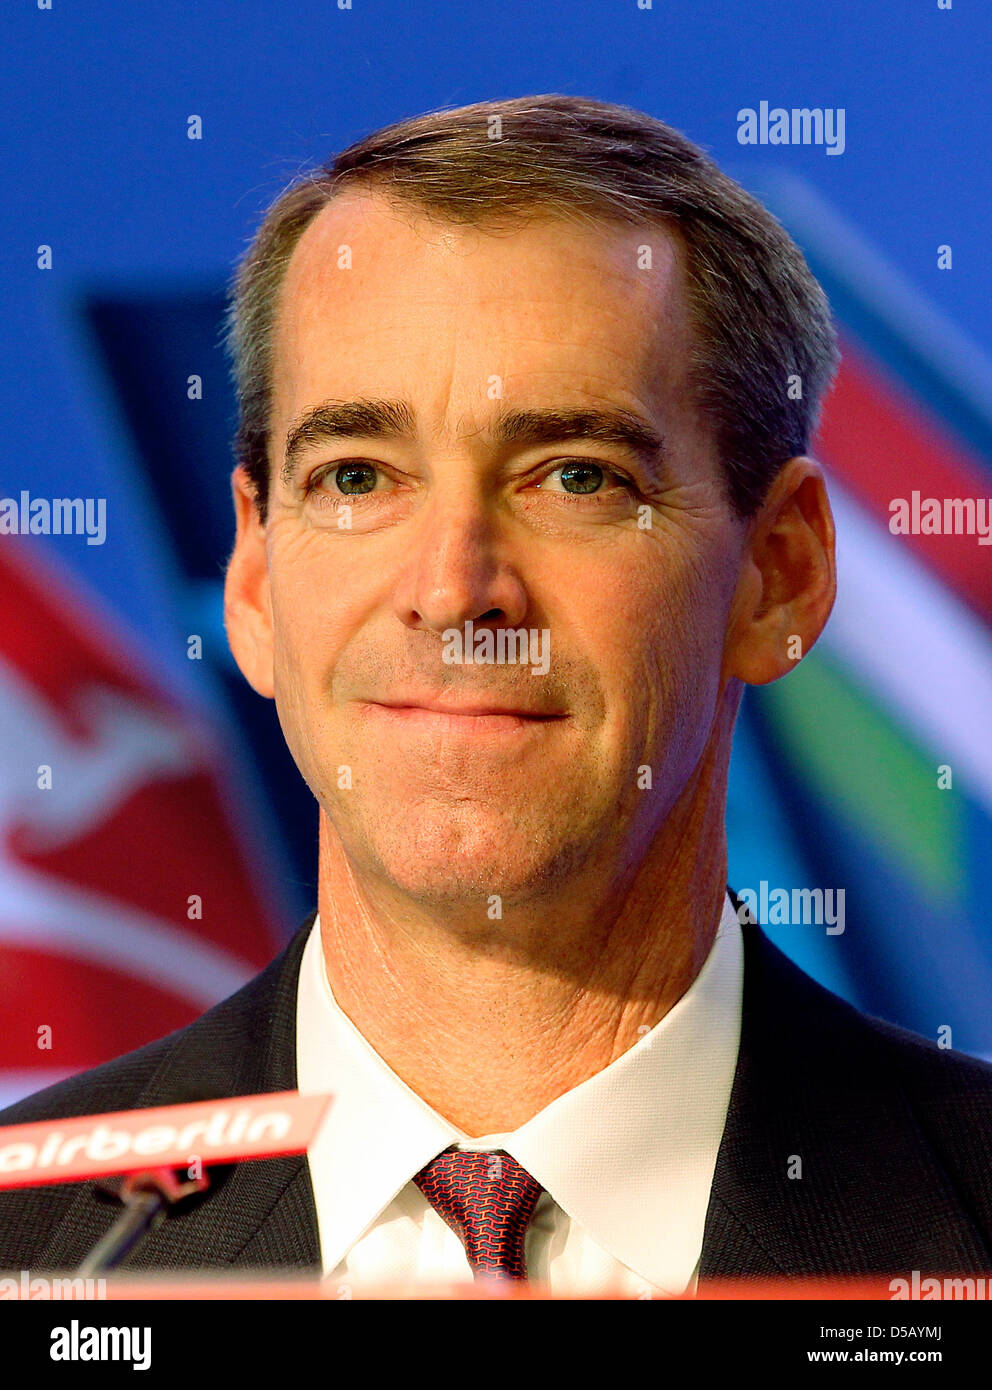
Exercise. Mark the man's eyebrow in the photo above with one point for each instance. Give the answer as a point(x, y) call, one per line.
point(395, 419)
point(366, 419)
point(600, 424)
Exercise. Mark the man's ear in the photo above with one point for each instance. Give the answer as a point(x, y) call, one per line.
point(247, 605)
point(788, 577)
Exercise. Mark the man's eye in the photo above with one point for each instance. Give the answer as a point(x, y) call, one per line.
point(355, 478)
point(581, 477)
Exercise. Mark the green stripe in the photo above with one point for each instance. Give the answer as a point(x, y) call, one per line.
point(879, 779)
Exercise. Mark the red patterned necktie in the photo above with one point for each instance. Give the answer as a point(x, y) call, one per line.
point(488, 1200)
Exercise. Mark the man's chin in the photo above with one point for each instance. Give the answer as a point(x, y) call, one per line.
point(480, 867)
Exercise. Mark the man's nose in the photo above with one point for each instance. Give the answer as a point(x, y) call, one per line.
point(459, 568)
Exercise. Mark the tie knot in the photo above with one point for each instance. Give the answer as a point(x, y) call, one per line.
point(488, 1200)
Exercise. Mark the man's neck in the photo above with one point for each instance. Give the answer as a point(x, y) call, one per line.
point(489, 1026)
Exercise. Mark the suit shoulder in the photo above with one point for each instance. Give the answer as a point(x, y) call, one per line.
point(918, 1060)
point(938, 1072)
point(947, 1090)
point(113, 1085)
point(202, 1060)
point(949, 1094)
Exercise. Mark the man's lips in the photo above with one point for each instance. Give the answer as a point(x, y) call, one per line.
point(475, 717)
point(471, 709)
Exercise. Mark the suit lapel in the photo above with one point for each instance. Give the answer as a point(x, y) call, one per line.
point(823, 1169)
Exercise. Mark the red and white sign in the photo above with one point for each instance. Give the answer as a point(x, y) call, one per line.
point(168, 1136)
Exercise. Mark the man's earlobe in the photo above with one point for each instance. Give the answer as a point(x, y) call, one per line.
point(788, 577)
point(247, 601)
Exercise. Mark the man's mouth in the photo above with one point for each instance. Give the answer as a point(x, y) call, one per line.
point(460, 716)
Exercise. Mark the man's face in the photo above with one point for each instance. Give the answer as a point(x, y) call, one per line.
point(623, 565)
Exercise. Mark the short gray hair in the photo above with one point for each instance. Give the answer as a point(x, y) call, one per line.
point(759, 316)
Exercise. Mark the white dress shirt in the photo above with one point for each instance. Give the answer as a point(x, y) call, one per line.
point(626, 1158)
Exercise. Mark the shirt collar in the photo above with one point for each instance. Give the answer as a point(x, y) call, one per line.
point(629, 1154)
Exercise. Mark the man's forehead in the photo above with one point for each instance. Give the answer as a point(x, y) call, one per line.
point(367, 237)
point(378, 298)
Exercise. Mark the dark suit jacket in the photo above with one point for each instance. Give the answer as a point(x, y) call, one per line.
point(894, 1134)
